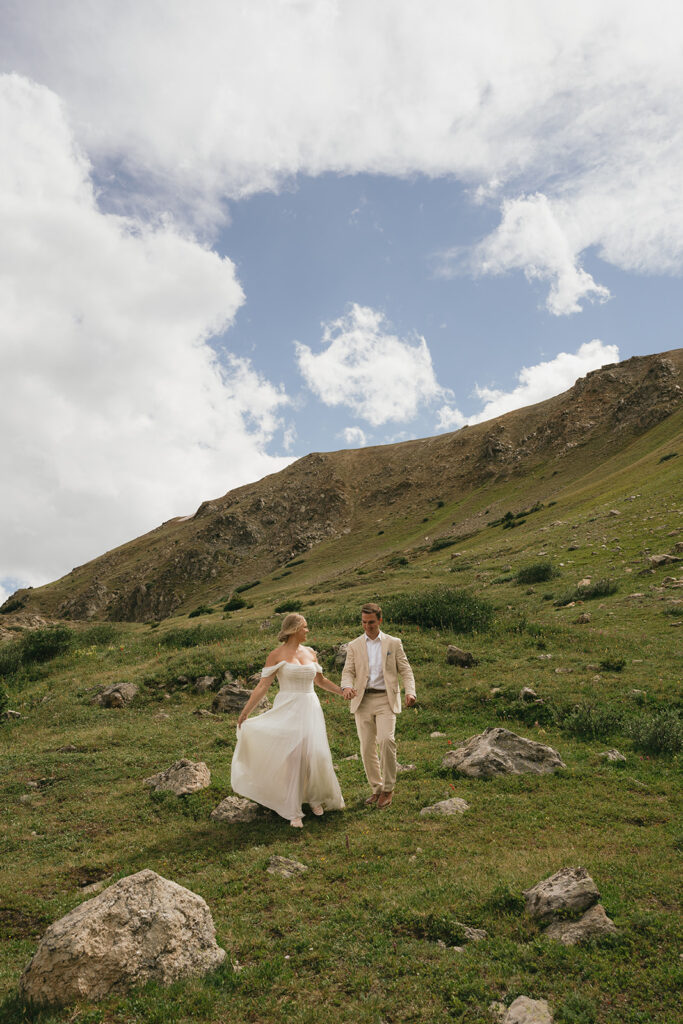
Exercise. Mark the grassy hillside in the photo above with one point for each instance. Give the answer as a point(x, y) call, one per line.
point(357, 938)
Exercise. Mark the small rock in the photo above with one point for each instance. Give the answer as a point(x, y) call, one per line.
point(181, 778)
point(498, 751)
point(142, 928)
point(436, 735)
point(182, 681)
point(495, 691)
point(593, 923)
point(116, 696)
point(526, 693)
point(584, 618)
point(68, 748)
point(569, 889)
point(544, 657)
point(351, 757)
point(400, 768)
point(204, 683)
point(162, 716)
point(656, 560)
point(614, 512)
point(528, 1011)
point(612, 755)
point(9, 714)
point(285, 867)
point(456, 656)
point(585, 582)
point(203, 713)
point(453, 806)
point(236, 809)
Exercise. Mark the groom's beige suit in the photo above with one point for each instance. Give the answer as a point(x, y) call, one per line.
point(375, 710)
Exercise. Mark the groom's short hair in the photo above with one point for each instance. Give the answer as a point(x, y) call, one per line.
point(371, 609)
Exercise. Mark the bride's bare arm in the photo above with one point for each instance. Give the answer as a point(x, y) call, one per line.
point(259, 691)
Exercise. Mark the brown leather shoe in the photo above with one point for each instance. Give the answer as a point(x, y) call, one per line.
point(372, 799)
point(385, 800)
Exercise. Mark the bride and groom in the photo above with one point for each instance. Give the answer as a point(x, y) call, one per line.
point(282, 758)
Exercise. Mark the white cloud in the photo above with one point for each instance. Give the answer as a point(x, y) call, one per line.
point(381, 377)
point(536, 383)
point(449, 418)
point(114, 410)
point(354, 436)
point(581, 103)
point(537, 238)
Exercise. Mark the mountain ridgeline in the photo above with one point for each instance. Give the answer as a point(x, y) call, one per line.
point(336, 510)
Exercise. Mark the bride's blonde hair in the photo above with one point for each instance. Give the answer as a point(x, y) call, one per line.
point(290, 624)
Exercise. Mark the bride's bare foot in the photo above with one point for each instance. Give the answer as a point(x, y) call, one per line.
point(296, 823)
point(318, 809)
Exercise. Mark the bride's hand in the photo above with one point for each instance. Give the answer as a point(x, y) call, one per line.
point(241, 719)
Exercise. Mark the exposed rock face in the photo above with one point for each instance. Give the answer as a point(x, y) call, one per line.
point(232, 697)
point(453, 806)
point(181, 778)
point(340, 656)
point(657, 560)
point(528, 1011)
point(117, 696)
point(569, 889)
point(285, 867)
point(592, 924)
point(236, 809)
point(205, 683)
point(456, 656)
point(142, 928)
point(499, 752)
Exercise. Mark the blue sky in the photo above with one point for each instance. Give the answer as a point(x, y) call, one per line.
point(234, 234)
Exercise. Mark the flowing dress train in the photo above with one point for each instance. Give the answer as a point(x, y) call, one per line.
point(282, 758)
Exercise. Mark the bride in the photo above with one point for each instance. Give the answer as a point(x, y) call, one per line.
point(282, 758)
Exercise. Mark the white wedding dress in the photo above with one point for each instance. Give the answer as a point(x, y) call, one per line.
point(282, 758)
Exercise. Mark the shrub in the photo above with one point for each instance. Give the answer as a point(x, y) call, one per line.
point(587, 721)
point(194, 636)
point(102, 633)
point(203, 609)
point(657, 732)
point(671, 455)
point(4, 700)
point(537, 572)
point(295, 561)
point(577, 1009)
point(601, 588)
point(396, 560)
point(13, 604)
point(10, 658)
point(289, 606)
point(441, 608)
point(40, 645)
point(442, 542)
point(246, 586)
point(612, 664)
point(434, 927)
point(235, 603)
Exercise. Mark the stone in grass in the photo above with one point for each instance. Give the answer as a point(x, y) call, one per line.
point(453, 806)
point(568, 890)
point(181, 778)
point(236, 809)
point(456, 656)
point(528, 1011)
point(285, 867)
point(612, 755)
point(400, 768)
point(116, 696)
point(593, 924)
point(498, 751)
point(204, 683)
point(232, 697)
point(436, 735)
point(142, 928)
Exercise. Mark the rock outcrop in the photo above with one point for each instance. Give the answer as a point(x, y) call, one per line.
point(501, 752)
point(182, 778)
point(140, 929)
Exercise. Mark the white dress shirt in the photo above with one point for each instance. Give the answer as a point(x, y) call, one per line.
point(376, 677)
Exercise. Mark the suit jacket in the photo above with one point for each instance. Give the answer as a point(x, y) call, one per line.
point(394, 664)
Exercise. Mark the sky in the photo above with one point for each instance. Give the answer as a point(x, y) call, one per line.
point(236, 233)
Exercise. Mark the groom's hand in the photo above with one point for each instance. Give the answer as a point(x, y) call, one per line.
point(410, 700)
point(348, 693)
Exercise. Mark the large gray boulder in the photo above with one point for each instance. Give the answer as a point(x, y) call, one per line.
point(232, 697)
point(142, 928)
point(501, 752)
point(181, 778)
point(234, 809)
point(593, 924)
point(569, 890)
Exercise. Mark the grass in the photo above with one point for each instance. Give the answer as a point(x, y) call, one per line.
point(358, 937)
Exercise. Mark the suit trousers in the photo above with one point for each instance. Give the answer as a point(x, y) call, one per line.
point(376, 723)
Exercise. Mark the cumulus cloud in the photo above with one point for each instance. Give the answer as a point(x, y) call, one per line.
point(578, 103)
point(381, 377)
point(540, 240)
point(114, 410)
point(544, 380)
point(354, 436)
point(449, 418)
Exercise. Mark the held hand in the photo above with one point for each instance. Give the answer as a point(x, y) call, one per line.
point(410, 700)
point(348, 693)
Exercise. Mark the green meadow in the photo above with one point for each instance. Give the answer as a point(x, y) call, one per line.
point(366, 934)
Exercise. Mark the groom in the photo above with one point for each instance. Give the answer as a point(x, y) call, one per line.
point(370, 681)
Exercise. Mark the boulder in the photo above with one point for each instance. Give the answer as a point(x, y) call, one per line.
point(568, 890)
point(205, 683)
point(236, 809)
point(528, 1011)
point(181, 778)
point(400, 768)
point(142, 928)
point(592, 924)
point(456, 656)
point(116, 696)
point(453, 806)
point(527, 693)
point(340, 656)
point(612, 755)
point(584, 618)
point(498, 751)
point(285, 867)
point(232, 697)
point(657, 560)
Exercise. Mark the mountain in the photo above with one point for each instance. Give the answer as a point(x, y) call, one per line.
point(340, 510)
